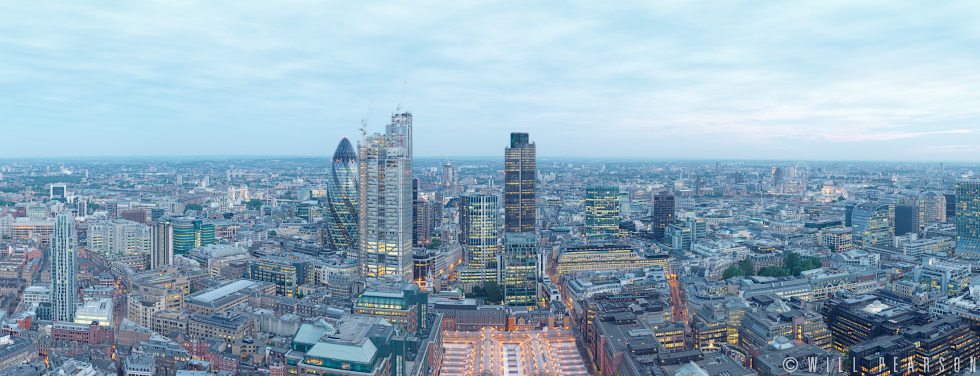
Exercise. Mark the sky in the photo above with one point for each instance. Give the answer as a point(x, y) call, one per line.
point(788, 80)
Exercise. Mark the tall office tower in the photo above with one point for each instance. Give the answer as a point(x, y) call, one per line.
point(519, 269)
point(450, 176)
point(932, 208)
point(602, 212)
point(385, 201)
point(416, 213)
point(874, 224)
point(519, 180)
point(663, 213)
point(63, 268)
point(950, 207)
point(906, 219)
point(81, 206)
point(968, 218)
point(190, 233)
point(342, 197)
point(478, 215)
point(162, 248)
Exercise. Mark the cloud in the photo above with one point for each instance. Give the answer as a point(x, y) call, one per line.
point(643, 79)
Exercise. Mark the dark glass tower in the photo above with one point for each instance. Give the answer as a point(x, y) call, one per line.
point(968, 218)
point(663, 213)
point(519, 179)
point(342, 197)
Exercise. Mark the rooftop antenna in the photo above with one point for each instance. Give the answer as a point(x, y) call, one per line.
point(364, 120)
point(404, 83)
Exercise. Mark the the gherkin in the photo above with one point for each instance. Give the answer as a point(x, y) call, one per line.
point(342, 197)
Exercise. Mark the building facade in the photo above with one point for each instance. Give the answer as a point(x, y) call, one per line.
point(874, 224)
point(342, 205)
point(385, 201)
point(968, 218)
point(519, 180)
point(519, 269)
point(602, 212)
point(63, 288)
point(478, 218)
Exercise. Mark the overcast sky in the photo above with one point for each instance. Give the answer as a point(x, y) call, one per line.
point(819, 80)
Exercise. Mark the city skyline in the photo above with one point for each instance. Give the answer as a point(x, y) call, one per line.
point(817, 81)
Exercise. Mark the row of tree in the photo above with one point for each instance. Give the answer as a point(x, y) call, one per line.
point(793, 265)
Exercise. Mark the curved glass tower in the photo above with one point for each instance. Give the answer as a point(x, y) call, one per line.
point(342, 197)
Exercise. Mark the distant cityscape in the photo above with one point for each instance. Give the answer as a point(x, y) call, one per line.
point(373, 262)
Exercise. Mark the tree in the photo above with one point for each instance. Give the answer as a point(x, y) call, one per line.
point(747, 267)
point(733, 271)
point(435, 243)
point(195, 207)
point(253, 204)
point(493, 292)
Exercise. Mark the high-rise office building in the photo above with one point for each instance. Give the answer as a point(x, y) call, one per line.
point(59, 192)
point(63, 268)
point(519, 269)
point(342, 197)
point(602, 212)
point(950, 206)
point(663, 213)
point(932, 208)
point(478, 215)
point(968, 218)
point(416, 223)
point(385, 201)
point(874, 224)
point(519, 180)
point(162, 247)
point(190, 233)
point(906, 219)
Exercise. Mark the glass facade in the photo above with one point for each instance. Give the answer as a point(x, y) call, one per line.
point(190, 233)
point(968, 218)
point(479, 218)
point(342, 197)
point(385, 202)
point(519, 180)
point(63, 287)
point(874, 224)
point(602, 212)
point(519, 269)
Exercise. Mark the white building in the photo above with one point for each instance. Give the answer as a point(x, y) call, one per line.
point(119, 237)
point(95, 310)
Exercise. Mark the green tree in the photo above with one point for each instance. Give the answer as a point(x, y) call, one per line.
point(747, 267)
point(253, 204)
point(733, 271)
point(196, 207)
point(435, 243)
point(493, 292)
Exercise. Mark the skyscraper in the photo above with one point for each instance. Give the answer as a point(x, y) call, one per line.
point(601, 212)
point(63, 268)
point(874, 224)
point(519, 180)
point(932, 208)
point(968, 218)
point(479, 218)
point(519, 269)
point(162, 247)
point(385, 201)
point(663, 213)
point(342, 194)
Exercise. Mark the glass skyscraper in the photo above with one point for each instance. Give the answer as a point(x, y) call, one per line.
point(968, 218)
point(602, 212)
point(874, 224)
point(479, 221)
point(519, 269)
point(385, 201)
point(342, 197)
point(663, 213)
point(519, 180)
point(63, 287)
